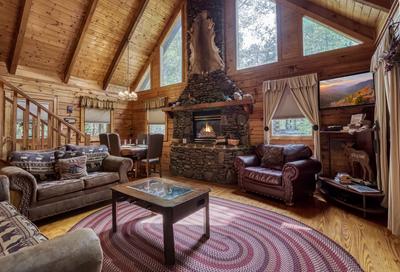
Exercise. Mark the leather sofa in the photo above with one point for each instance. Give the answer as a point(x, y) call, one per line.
point(293, 179)
point(42, 194)
point(23, 248)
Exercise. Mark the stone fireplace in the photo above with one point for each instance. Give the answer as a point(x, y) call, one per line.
point(211, 106)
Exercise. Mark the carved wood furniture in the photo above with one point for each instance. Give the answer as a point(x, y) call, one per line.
point(295, 179)
point(367, 203)
point(172, 210)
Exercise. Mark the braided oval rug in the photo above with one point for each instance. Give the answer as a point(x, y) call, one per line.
point(243, 238)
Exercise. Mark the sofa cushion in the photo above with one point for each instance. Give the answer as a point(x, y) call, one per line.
point(263, 175)
point(72, 168)
point(291, 152)
point(95, 155)
point(273, 157)
point(39, 163)
point(7, 210)
point(100, 178)
point(15, 230)
point(46, 190)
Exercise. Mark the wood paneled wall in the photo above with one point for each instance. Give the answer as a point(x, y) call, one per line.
point(291, 63)
point(62, 95)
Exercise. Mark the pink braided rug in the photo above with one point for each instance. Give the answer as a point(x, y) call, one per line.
point(243, 238)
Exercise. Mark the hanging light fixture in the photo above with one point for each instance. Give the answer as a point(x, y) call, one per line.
point(128, 94)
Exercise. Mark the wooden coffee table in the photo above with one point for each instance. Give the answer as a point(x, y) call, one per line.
point(192, 199)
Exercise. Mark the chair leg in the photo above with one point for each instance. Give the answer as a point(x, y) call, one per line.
point(147, 169)
point(136, 168)
point(159, 165)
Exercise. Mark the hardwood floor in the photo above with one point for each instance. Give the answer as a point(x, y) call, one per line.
point(368, 241)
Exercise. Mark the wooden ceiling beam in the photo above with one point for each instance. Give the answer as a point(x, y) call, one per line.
point(76, 47)
point(348, 26)
point(383, 5)
point(19, 36)
point(123, 45)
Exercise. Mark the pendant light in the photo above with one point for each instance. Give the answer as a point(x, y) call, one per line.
point(128, 95)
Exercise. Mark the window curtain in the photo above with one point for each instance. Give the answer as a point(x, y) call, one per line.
point(305, 92)
point(156, 103)
point(90, 102)
point(387, 95)
point(273, 92)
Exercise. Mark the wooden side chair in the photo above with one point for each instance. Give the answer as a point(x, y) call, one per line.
point(104, 140)
point(115, 144)
point(142, 139)
point(154, 153)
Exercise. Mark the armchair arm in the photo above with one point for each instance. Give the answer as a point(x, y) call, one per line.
point(299, 178)
point(118, 164)
point(4, 189)
point(79, 250)
point(24, 182)
point(246, 161)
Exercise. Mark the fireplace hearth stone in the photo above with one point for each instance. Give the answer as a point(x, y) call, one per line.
point(206, 162)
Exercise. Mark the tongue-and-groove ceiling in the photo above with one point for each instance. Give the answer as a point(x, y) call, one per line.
point(85, 38)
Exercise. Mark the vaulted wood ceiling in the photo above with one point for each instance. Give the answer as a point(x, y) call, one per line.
point(88, 38)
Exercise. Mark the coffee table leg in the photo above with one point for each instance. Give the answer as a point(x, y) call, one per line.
point(169, 244)
point(207, 219)
point(114, 211)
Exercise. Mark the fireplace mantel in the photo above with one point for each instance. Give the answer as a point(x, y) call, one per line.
point(246, 103)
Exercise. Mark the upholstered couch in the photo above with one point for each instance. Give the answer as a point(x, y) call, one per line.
point(42, 194)
point(289, 179)
point(23, 248)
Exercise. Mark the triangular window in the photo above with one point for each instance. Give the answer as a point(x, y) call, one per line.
point(145, 82)
point(318, 38)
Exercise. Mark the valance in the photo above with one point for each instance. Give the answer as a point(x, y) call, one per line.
point(156, 103)
point(90, 102)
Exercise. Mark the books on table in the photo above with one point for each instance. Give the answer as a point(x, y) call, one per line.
point(362, 188)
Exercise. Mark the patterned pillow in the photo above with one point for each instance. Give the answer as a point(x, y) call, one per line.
point(95, 155)
point(273, 157)
point(39, 163)
point(72, 168)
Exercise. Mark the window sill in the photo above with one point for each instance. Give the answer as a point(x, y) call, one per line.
point(297, 138)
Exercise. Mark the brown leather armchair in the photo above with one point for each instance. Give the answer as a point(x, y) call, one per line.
point(295, 179)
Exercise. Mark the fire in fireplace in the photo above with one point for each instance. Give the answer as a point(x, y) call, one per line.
point(206, 126)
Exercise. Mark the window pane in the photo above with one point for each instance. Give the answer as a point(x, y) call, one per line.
point(291, 127)
point(256, 33)
point(94, 129)
point(171, 56)
point(157, 129)
point(318, 38)
point(145, 83)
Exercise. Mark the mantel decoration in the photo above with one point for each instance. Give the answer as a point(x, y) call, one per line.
point(128, 95)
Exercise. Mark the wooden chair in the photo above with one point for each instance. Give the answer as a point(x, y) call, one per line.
point(104, 140)
point(142, 139)
point(154, 153)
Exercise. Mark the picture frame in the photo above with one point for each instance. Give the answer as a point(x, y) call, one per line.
point(347, 91)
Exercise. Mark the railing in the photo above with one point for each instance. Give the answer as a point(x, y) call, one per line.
point(34, 126)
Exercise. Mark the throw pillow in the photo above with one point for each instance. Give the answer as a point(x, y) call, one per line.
point(273, 157)
point(72, 168)
point(95, 155)
point(39, 163)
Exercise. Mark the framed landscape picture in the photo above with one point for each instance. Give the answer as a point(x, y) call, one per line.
point(347, 91)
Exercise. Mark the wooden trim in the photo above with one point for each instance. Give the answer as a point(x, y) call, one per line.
point(245, 102)
point(123, 45)
point(392, 12)
point(348, 26)
point(2, 115)
point(19, 37)
point(79, 41)
point(156, 49)
point(383, 5)
point(13, 127)
point(26, 124)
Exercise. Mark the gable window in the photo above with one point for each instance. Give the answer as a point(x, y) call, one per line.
point(33, 110)
point(288, 120)
point(145, 82)
point(97, 121)
point(318, 38)
point(156, 122)
point(256, 33)
point(171, 55)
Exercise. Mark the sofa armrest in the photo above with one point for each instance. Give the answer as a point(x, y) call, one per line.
point(24, 182)
point(246, 161)
point(118, 164)
point(297, 169)
point(4, 189)
point(79, 250)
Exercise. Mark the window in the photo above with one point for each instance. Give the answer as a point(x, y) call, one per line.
point(97, 121)
point(156, 122)
point(171, 55)
point(145, 82)
point(318, 38)
point(256, 33)
point(33, 110)
point(289, 120)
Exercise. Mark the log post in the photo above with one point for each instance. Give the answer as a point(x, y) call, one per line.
point(2, 114)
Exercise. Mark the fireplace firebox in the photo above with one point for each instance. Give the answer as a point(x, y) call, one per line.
point(206, 126)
